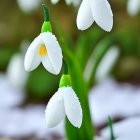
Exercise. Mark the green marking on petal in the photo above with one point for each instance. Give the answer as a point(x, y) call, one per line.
point(65, 81)
point(46, 27)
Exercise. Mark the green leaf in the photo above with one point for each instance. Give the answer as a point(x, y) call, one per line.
point(86, 43)
point(110, 124)
point(94, 60)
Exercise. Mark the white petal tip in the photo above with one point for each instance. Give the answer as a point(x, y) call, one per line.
point(50, 125)
point(109, 27)
point(81, 28)
point(108, 30)
point(28, 69)
point(79, 126)
point(54, 72)
point(57, 72)
point(83, 25)
point(51, 122)
point(79, 122)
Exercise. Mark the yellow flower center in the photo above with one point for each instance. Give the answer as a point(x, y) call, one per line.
point(42, 50)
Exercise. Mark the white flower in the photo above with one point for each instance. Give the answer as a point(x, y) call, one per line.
point(46, 49)
point(95, 10)
point(28, 5)
point(107, 63)
point(133, 7)
point(16, 74)
point(64, 102)
point(68, 2)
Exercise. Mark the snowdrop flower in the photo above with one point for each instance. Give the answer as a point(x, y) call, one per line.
point(95, 10)
point(64, 103)
point(46, 49)
point(68, 2)
point(133, 7)
point(28, 5)
point(15, 68)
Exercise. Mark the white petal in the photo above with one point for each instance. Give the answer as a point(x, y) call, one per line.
point(47, 64)
point(55, 111)
point(133, 7)
point(102, 14)
point(54, 1)
point(72, 106)
point(84, 17)
point(32, 59)
point(54, 53)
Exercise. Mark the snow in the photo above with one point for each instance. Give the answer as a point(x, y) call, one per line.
point(112, 99)
point(21, 122)
point(26, 122)
point(106, 98)
point(9, 97)
point(128, 129)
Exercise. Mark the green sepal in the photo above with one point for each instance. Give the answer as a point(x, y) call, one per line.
point(65, 81)
point(46, 27)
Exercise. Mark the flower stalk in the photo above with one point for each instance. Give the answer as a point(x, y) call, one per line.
point(46, 27)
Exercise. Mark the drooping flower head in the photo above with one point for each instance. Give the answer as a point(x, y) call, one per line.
point(95, 10)
point(45, 48)
point(64, 103)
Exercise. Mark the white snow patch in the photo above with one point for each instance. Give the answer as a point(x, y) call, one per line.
point(21, 122)
point(112, 99)
point(9, 96)
point(26, 122)
point(128, 129)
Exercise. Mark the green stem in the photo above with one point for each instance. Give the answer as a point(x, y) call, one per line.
point(80, 87)
point(46, 12)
